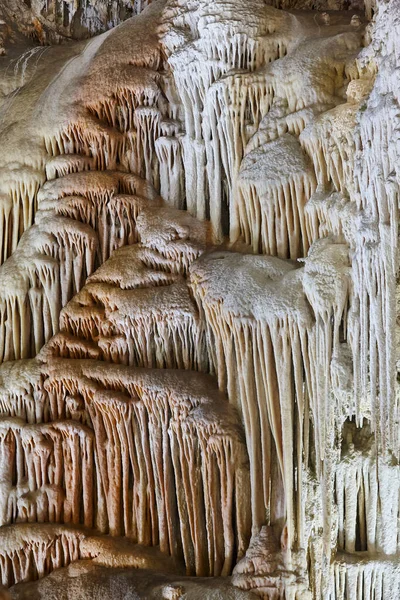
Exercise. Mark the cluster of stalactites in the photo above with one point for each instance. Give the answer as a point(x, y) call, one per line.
point(218, 116)
point(375, 265)
point(354, 5)
point(46, 472)
point(131, 126)
point(136, 308)
point(83, 217)
point(366, 488)
point(275, 334)
point(118, 427)
point(271, 197)
point(327, 286)
point(18, 203)
point(21, 392)
point(275, 181)
point(52, 261)
point(257, 334)
point(284, 342)
point(108, 201)
point(352, 577)
point(150, 327)
point(29, 552)
point(234, 106)
point(331, 213)
point(329, 141)
point(55, 21)
point(164, 441)
point(132, 119)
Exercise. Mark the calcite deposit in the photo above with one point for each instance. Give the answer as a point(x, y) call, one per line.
point(199, 332)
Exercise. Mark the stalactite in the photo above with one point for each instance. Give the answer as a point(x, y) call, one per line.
point(274, 128)
point(28, 553)
point(168, 150)
point(160, 326)
point(355, 577)
point(47, 459)
point(271, 198)
point(257, 335)
point(159, 425)
point(21, 391)
point(5, 218)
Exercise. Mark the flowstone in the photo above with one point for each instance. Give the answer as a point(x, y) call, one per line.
point(198, 300)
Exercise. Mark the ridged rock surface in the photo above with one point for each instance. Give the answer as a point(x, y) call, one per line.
point(199, 212)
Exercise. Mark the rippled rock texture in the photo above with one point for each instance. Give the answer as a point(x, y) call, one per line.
point(198, 314)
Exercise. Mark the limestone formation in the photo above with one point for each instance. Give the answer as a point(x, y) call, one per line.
point(199, 331)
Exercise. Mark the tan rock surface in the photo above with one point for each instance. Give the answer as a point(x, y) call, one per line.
point(198, 300)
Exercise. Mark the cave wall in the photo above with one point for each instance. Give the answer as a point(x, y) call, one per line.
point(198, 318)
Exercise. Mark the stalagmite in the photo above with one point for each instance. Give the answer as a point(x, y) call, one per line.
point(264, 569)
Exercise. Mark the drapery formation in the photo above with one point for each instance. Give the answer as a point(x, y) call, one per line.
point(198, 323)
